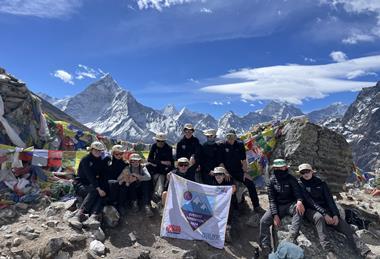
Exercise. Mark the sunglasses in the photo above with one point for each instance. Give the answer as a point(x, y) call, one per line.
point(117, 154)
point(305, 172)
point(183, 165)
point(160, 141)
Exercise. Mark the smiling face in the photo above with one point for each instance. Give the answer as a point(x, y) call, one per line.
point(96, 153)
point(135, 163)
point(182, 167)
point(188, 133)
point(117, 155)
point(219, 178)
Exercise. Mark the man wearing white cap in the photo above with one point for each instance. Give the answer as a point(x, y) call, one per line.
point(160, 163)
point(189, 145)
point(90, 185)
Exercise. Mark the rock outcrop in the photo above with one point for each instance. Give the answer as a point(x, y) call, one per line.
point(327, 151)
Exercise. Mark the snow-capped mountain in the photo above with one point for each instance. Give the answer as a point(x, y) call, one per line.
point(361, 127)
point(47, 98)
point(169, 111)
point(333, 111)
point(281, 110)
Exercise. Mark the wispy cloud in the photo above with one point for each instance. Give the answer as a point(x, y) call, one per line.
point(64, 76)
point(40, 8)
point(217, 103)
point(294, 83)
point(355, 38)
point(206, 10)
point(160, 4)
point(338, 56)
point(311, 60)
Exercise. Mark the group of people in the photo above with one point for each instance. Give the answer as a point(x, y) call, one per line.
point(133, 184)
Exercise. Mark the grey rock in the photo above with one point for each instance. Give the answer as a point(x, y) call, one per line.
point(145, 254)
point(17, 241)
point(73, 238)
point(132, 237)
point(99, 234)
point(327, 151)
point(8, 236)
point(190, 254)
point(30, 235)
point(52, 247)
point(97, 247)
point(52, 223)
point(62, 255)
point(111, 216)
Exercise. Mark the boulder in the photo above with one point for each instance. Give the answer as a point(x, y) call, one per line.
point(97, 247)
point(111, 216)
point(327, 151)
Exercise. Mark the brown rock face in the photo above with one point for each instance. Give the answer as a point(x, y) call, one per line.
point(327, 151)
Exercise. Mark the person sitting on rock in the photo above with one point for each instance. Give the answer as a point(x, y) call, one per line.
point(185, 168)
point(285, 198)
point(160, 163)
point(322, 211)
point(115, 166)
point(138, 179)
point(90, 184)
point(220, 177)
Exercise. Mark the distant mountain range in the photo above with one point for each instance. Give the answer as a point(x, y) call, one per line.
point(111, 110)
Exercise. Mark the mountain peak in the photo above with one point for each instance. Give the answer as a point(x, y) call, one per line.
point(169, 110)
point(281, 110)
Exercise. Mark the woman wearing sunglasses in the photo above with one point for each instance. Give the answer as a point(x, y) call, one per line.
point(322, 211)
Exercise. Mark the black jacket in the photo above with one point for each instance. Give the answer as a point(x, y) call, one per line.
point(92, 171)
point(283, 189)
point(231, 157)
point(210, 156)
point(188, 147)
point(189, 175)
point(318, 197)
point(156, 155)
point(114, 167)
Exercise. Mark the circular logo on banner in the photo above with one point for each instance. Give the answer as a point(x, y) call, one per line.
point(187, 196)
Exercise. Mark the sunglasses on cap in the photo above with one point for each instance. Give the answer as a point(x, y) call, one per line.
point(306, 171)
point(183, 164)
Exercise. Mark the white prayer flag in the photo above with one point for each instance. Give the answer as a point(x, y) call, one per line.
point(196, 211)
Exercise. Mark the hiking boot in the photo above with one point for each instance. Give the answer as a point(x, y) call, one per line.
point(331, 255)
point(228, 238)
point(148, 211)
point(259, 210)
point(77, 219)
point(93, 222)
point(265, 251)
point(135, 207)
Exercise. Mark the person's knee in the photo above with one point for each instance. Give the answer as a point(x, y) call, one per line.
point(318, 217)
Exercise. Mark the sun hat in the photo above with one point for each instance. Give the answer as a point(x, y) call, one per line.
point(135, 157)
point(97, 145)
point(209, 132)
point(183, 160)
point(118, 149)
point(188, 126)
point(279, 163)
point(160, 136)
point(305, 166)
point(219, 170)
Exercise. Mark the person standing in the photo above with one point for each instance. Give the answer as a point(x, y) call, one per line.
point(233, 158)
point(285, 198)
point(322, 212)
point(210, 156)
point(90, 184)
point(189, 145)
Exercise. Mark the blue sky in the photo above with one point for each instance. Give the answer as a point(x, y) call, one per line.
point(208, 55)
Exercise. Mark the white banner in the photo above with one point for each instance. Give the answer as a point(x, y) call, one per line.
point(196, 211)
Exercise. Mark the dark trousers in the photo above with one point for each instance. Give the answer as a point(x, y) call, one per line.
point(320, 224)
point(140, 189)
point(118, 194)
point(92, 202)
point(250, 186)
point(267, 221)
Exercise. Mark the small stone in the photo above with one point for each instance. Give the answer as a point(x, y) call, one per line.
point(99, 235)
point(33, 216)
point(17, 241)
point(190, 254)
point(174, 251)
point(111, 216)
point(8, 236)
point(145, 254)
point(97, 247)
point(52, 247)
point(73, 238)
point(52, 223)
point(62, 255)
point(8, 243)
point(30, 235)
point(44, 226)
point(132, 237)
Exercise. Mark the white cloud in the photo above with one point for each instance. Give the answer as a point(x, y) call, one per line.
point(193, 80)
point(160, 4)
point(64, 76)
point(244, 100)
point(294, 83)
point(85, 71)
point(311, 60)
point(206, 10)
point(252, 105)
point(40, 8)
point(217, 103)
point(357, 37)
point(338, 56)
point(228, 102)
